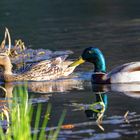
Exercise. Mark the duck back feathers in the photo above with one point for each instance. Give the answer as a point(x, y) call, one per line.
point(126, 73)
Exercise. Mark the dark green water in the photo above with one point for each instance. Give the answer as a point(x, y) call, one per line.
point(111, 25)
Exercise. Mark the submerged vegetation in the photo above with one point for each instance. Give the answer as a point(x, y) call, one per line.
point(19, 117)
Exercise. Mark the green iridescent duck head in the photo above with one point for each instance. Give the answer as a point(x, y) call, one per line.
point(94, 56)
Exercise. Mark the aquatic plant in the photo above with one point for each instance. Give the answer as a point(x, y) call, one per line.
point(21, 113)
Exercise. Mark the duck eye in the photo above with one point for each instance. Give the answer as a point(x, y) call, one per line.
point(89, 52)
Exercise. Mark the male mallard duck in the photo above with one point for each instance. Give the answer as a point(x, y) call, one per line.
point(126, 73)
point(40, 71)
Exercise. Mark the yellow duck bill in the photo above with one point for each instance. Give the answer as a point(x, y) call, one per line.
point(77, 62)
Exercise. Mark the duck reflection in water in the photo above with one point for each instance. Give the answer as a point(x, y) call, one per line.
point(10, 90)
point(63, 85)
point(131, 90)
point(96, 110)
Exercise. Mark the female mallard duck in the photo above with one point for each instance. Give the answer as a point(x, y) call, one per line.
point(126, 73)
point(40, 71)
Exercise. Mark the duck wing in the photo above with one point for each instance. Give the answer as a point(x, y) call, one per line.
point(59, 60)
point(129, 72)
point(45, 70)
point(35, 65)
